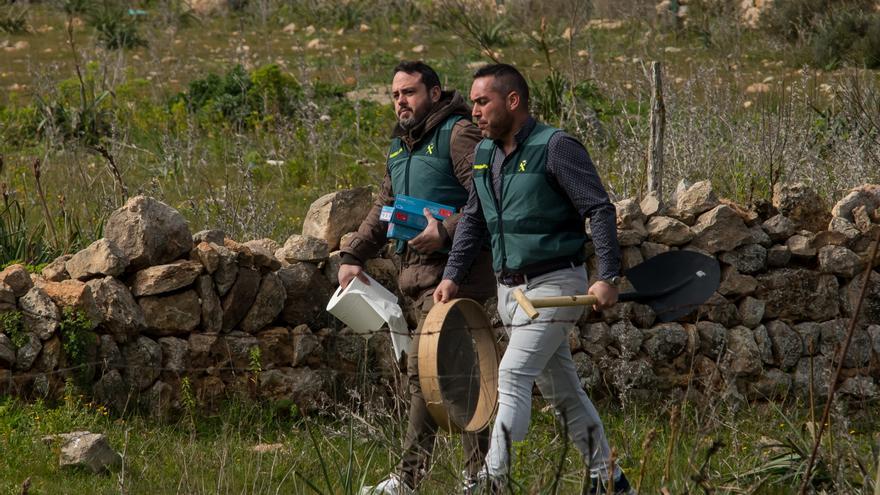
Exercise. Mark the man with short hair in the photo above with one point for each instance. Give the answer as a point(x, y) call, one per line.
point(430, 158)
point(534, 186)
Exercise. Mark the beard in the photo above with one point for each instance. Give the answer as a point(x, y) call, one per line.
point(409, 123)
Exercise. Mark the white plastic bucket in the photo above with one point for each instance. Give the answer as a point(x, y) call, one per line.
point(362, 307)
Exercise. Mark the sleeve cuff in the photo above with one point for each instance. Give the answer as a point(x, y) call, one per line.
point(350, 259)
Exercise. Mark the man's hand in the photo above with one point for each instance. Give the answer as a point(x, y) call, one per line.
point(430, 239)
point(349, 272)
point(605, 293)
point(445, 291)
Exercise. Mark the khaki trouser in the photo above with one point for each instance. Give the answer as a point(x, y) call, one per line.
point(421, 431)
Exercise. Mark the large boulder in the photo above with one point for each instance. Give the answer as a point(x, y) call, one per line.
point(165, 278)
point(101, 258)
point(779, 227)
point(798, 294)
point(839, 261)
point(802, 205)
point(148, 232)
point(628, 211)
point(720, 229)
point(336, 213)
point(123, 318)
point(665, 342)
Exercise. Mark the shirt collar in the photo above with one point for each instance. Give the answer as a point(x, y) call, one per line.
point(522, 133)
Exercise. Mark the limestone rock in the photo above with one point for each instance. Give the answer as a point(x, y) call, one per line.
point(7, 352)
point(240, 298)
point(651, 204)
point(305, 345)
point(112, 391)
point(849, 297)
point(802, 205)
point(718, 309)
point(17, 278)
point(302, 385)
point(778, 256)
point(798, 294)
point(41, 316)
point(215, 236)
point(860, 387)
point(587, 371)
point(867, 195)
point(651, 249)
point(148, 232)
point(595, 337)
point(109, 355)
point(264, 253)
point(207, 255)
point(668, 231)
point(628, 211)
point(765, 346)
point(627, 338)
point(695, 200)
point(713, 338)
point(630, 256)
point(7, 298)
point(720, 229)
point(307, 294)
point(267, 305)
point(632, 236)
point(779, 228)
point(749, 258)
point(276, 347)
point(238, 348)
point(27, 354)
point(175, 353)
point(173, 314)
point(156, 401)
point(212, 311)
point(56, 270)
point(787, 344)
point(77, 295)
point(818, 380)
point(143, 358)
point(123, 317)
point(101, 258)
point(336, 213)
point(665, 342)
point(227, 269)
point(331, 268)
point(833, 336)
point(91, 451)
point(751, 311)
point(734, 283)
point(165, 278)
point(303, 248)
point(772, 384)
point(801, 246)
point(742, 357)
point(839, 261)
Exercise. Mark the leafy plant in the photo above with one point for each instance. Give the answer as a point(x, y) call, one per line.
point(12, 325)
point(115, 26)
point(13, 20)
point(76, 335)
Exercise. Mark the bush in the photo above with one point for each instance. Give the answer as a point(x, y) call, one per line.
point(13, 21)
point(116, 27)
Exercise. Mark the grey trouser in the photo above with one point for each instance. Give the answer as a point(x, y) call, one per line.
point(539, 352)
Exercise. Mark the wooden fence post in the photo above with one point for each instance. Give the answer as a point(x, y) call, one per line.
point(658, 127)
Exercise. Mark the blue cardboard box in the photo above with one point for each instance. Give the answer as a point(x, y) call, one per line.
point(406, 218)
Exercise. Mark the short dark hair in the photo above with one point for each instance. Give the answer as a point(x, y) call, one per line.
point(429, 76)
point(507, 79)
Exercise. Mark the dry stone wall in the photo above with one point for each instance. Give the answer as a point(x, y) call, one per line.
point(152, 316)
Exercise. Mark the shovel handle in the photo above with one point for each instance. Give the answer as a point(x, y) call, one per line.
point(529, 305)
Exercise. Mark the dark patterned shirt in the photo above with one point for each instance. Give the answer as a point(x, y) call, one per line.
point(569, 164)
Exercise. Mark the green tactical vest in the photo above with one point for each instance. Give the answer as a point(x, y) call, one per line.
point(533, 221)
point(427, 171)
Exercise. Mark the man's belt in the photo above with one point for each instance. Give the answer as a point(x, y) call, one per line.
point(520, 277)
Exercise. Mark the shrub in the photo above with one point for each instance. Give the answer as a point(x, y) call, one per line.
point(13, 21)
point(11, 324)
point(116, 27)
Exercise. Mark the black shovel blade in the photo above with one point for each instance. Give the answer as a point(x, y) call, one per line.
point(673, 283)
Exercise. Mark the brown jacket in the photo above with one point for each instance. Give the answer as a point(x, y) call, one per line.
point(421, 272)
